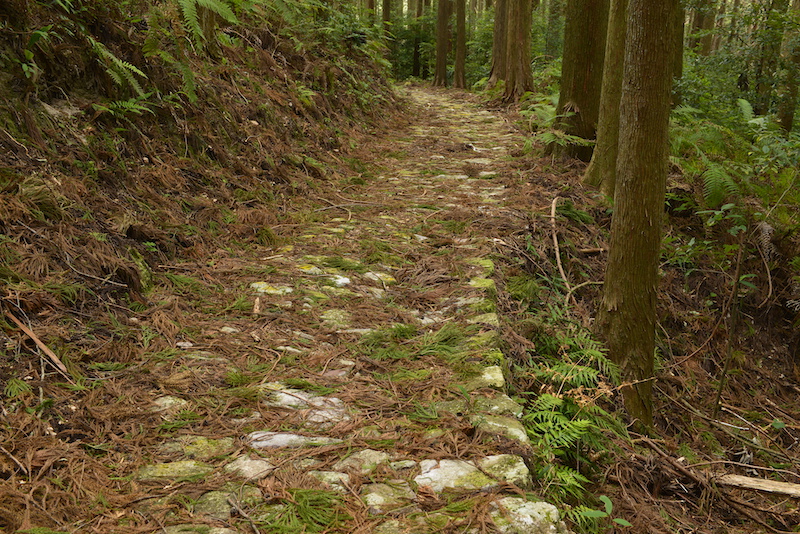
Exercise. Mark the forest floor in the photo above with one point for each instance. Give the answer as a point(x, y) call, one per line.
point(312, 385)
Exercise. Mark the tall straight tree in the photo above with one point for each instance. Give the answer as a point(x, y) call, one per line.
point(602, 169)
point(499, 40)
point(459, 71)
point(626, 317)
point(770, 36)
point(787, 103)
point(442, 43)
point(519, 78)
point(582, 71)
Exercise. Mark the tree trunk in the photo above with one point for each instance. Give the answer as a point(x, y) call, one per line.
point(770, 39)
point(626, 317)
point(442, 43)
point(519, 78)
point(417, 25)
point(371, 12)
point(499, 39)
point(602, 169)
point(425, 69)
point(734, 26)
point(703, 17)
point(787, 103)
point(679, 31)
point(386, 16)
point(582, 72)
point(720, 26)
point(459, 74)
point(553, 38)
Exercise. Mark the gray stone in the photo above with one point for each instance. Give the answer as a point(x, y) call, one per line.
point(490, 319)
point(197, 529)
point(199, 446)
point(381, 498)
point(264, 287)
point(214, 504)
point(499, 405)
point(335, 480)
point(168, 406)
point(270, 440)
point(336, 318)
point(500, 425)
point(364, 462)
point(250, 468)
point(479, 161)
point(490, 377)
point(442, 474)
point(402, 465)
point(519, 516)
point(508, 467)
point(173, 470)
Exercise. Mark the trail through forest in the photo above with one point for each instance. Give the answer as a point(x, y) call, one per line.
point(347, 380)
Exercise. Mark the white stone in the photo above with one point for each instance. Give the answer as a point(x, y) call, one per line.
point(269, 289)
point(339, 280)
point(508, 467)
point(250, 468)
point(504, 426)
point(519, 516)
point(270, 440)
point(229, 330)
point(337, 481)
point(452, 474)
point(365, 461)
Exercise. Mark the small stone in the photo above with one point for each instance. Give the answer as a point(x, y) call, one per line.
point(229, 330)
point(402, 465)
point(479, 161)
point(482, 283)
point(491, 377)
point(339, 280)
point(264, 287)
point(508, 467)
point(336, 318)
point(250, 468)
point(499, 405)
point(337, 481)
point(310, 269)
point(290, 350)
point(173, 470)
point(214, 504)
point(365, 461)
point(381, 498)
point(170, 404)
point(380, 277)
point(490, 319)
point(503, 426)
point(271, 440)
point(199, 446)
point(452, 474)
point(184, 344)
point(519, 516)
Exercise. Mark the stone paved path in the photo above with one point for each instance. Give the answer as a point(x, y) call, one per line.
point(368, 394)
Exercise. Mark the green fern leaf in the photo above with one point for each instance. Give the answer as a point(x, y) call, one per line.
point(717, 185)
point(746, 108)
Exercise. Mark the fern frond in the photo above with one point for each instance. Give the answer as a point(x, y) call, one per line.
point(746, 108)
point(717, 185)
point(122, 72)
point(191, 17)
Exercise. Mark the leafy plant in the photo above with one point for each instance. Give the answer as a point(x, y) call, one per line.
point(198, 19)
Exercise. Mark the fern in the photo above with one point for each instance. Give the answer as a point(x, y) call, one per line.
point(192, 9)
point(122, 72)
point(717, 185)
point(746, 108)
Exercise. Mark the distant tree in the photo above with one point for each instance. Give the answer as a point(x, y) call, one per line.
point(519, 78)
point(459, 73)
point(555, 26)
point(787, 103)
point(769, 37)
point(703, 19)
point(442, 43)
point(602, 168)
point(499, 40)
point(386, 16)
point(582, 72)
point(627, 313)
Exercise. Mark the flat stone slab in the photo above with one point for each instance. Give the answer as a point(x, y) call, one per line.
point(365, 461)
point(455, 474)
point(390, 496)
point(490, 377)
point(334, 479)
point(250, 468)
point(173, 470)
point(519, 516)
point(269, 289)
point(274, 440)
point(501, 425)
point(200, 447)
point(508, 467)
point(499, 405)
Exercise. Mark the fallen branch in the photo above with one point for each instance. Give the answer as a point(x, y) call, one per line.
point(760, 484)
point(554, 230)
point(55, 360)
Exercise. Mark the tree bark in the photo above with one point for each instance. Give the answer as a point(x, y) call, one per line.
point(602, 168)
point(459, 71)
point(626, 317)
point(499, 40)
point(442, 43)
point(553, 38)
point(703, 17)
point(417, 26)
point(371, 12)
point(519, 78)
point(582, 72)
point(386, 16)
point(770, 38)
point(787, 103)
